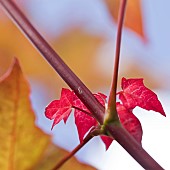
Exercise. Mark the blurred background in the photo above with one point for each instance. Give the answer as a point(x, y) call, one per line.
point(83, 33)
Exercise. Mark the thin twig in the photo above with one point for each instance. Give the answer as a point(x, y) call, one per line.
point(90, 135)
point(112, 96)
point(72, 153)
point(84, 111)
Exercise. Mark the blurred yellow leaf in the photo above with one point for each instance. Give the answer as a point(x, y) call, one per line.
point(79, 49)
point(53, 155)
point(13, 43)
point(21, 142)
point(76, 47)
point(133, 18)
point(135, 69)
point(22, 145)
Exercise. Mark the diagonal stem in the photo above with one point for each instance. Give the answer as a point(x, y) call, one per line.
point(133, 147)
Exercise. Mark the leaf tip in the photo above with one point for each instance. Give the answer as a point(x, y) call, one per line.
point(54, 123)
point(163, 113)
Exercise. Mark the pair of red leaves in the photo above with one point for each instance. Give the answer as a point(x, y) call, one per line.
point(133, 94)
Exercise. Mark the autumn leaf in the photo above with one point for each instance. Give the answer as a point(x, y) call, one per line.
point(22, 143)
point(133, 17)
point(130, 122)
point(53, 155)
point(106, 140)
point(60, 109)
point(84, 120)
point(13, 43)
point(76, 47)
point(133, 94)
point(136, 94)
point(79, 49)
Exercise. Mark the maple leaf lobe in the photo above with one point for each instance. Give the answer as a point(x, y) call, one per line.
point(130, 122)
point(60, 109)
point(83, 121)
point(107, 141)
point(51, 109)
point(136, 94)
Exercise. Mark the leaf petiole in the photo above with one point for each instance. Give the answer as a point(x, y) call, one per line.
point(111, 111)
point(88, 113)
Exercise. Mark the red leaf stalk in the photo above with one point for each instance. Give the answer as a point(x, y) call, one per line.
point(90, 135)
point(112, 97)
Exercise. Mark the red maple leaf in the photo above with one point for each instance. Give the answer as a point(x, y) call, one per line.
point(107, 140)
point(136, 94)
point(129, 121)
point(60, 109)
point(85, 121)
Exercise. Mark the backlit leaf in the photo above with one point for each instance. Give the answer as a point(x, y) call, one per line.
point(60, 109)
point(82, 120)
point(107, 141)
point(136, 94)
point(130, 122)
